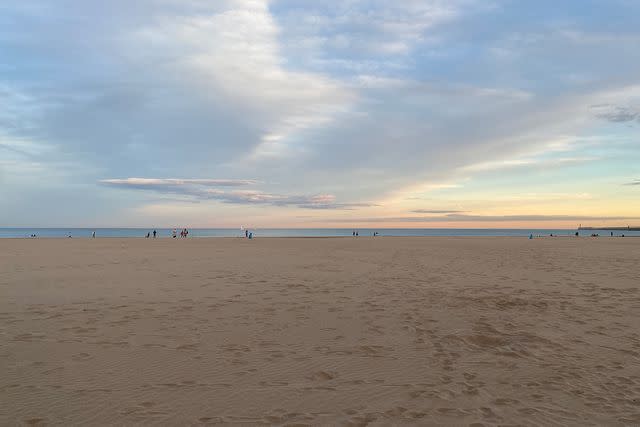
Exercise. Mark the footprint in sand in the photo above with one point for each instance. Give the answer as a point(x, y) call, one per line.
point(81, 357)
point(322, 376)
point(187, 347)
point(210, 420)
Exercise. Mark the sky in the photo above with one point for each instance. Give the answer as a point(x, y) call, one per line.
point(340, 114)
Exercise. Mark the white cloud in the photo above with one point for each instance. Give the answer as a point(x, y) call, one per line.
point(235, 54)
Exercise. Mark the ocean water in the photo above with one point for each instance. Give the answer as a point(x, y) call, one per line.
point(297, 232)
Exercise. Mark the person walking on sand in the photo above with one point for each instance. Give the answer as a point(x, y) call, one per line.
point(154, 234)
point(93, 235)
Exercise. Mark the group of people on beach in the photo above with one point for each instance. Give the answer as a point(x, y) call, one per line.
point(356, 233)
point(184, 233)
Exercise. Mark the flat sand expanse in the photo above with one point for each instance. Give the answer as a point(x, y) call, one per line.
point(381, 331)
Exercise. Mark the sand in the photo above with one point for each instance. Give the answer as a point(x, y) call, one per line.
point(341, 331)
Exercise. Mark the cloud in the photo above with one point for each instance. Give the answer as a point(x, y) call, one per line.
point(616, 114)
point(366, 28)
point(434, 211)
point(527, 162)
point(206, 189)
point(634, 182)
point(486, 218)
point(142, 183)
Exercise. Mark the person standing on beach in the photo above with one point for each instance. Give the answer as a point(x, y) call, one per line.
point(93, 235)
point(154, 234)
point(174, 233)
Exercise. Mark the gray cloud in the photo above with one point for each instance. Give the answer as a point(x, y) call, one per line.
point(207, 189)
point(616, 114)
point(435, 211)
point(163, 183)
point(634, 182)
point(486, 218)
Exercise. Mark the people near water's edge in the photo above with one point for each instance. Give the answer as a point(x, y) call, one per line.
point(93, 235)
point(246, 233)
point(154, 234)
point(173, 233)
point(148, 235)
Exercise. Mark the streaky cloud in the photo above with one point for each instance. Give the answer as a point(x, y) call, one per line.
point(435, 211)
point(153, 182)
point(484, 218)
point(616, 113)
point(206, 189)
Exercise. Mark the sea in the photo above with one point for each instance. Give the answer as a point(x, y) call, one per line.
point(301, 232)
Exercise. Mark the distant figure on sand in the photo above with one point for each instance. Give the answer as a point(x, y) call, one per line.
point(173, 234)
point(93, 235)
point(246, 233)
point(148, 234)
point(154, 234)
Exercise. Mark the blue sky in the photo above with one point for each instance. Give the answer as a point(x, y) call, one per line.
point(431, 113)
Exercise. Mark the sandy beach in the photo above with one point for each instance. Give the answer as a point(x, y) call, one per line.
point(337, 331)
